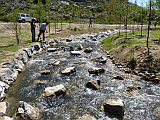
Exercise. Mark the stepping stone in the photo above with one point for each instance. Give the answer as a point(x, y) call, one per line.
point(51, 49)
point(75, 53)
point(44, 72)
point(68, 70)
point(54, 91)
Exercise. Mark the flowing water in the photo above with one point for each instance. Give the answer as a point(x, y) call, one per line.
point(80, 100)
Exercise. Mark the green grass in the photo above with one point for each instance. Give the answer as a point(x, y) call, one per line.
point(14, 48)
point(134, 40)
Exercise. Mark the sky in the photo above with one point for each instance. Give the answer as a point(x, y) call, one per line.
point(139, 2)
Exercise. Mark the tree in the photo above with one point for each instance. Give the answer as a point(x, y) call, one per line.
point(40, 12)
point(48, 2)
point(13, 17)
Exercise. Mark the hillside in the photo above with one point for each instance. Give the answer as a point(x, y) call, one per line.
point(101, 11)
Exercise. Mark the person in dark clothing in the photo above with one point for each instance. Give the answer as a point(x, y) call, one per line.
point(42, 30)
point(33, 29)
point(90, 22)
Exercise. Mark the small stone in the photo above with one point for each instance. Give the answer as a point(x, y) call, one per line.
point(118, 77)
point(85, 117)
point(80, 47)
point(36, 82)
point(96, 70)
point(68, 40)
point(51, 49)
point(80, 62)
point(54, 62)
point(75, 53)
point(38, 59)
point(157, 112)
point(44, 72)
point(88, 50)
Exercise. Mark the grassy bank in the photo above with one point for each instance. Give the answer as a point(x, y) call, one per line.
point(132, 51)
point(8, 42)
point(131, 39)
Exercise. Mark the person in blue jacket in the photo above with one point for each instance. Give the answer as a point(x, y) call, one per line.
point(42, 30)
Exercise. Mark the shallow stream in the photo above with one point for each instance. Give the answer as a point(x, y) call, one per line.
point(80, 100)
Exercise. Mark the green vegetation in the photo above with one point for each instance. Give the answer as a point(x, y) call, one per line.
point(103, 12)
point(108, 43)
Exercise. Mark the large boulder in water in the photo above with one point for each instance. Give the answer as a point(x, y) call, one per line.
point(54, 91)
point(68, 70)
point(94, 84)
point(27, 112)
point(114, 106)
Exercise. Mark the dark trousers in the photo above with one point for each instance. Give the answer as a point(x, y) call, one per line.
point(33, 35)
point(40, 32)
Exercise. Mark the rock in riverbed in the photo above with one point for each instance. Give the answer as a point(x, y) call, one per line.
point(54, 62)
point(26, 111)
point(75, 53)
point(44, 72)
point(96, 70)
point(68, 70)
point(54, 91)
point(85, 117)
point(94, 84)
point(3, 108)
point(88, 50)
point(51, 49)
point(114, 106)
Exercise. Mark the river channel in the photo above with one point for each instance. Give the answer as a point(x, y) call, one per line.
point(80, 100)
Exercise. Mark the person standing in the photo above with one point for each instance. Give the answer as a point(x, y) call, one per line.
point(33, 29)
point(90, 22)
point(42, 30)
